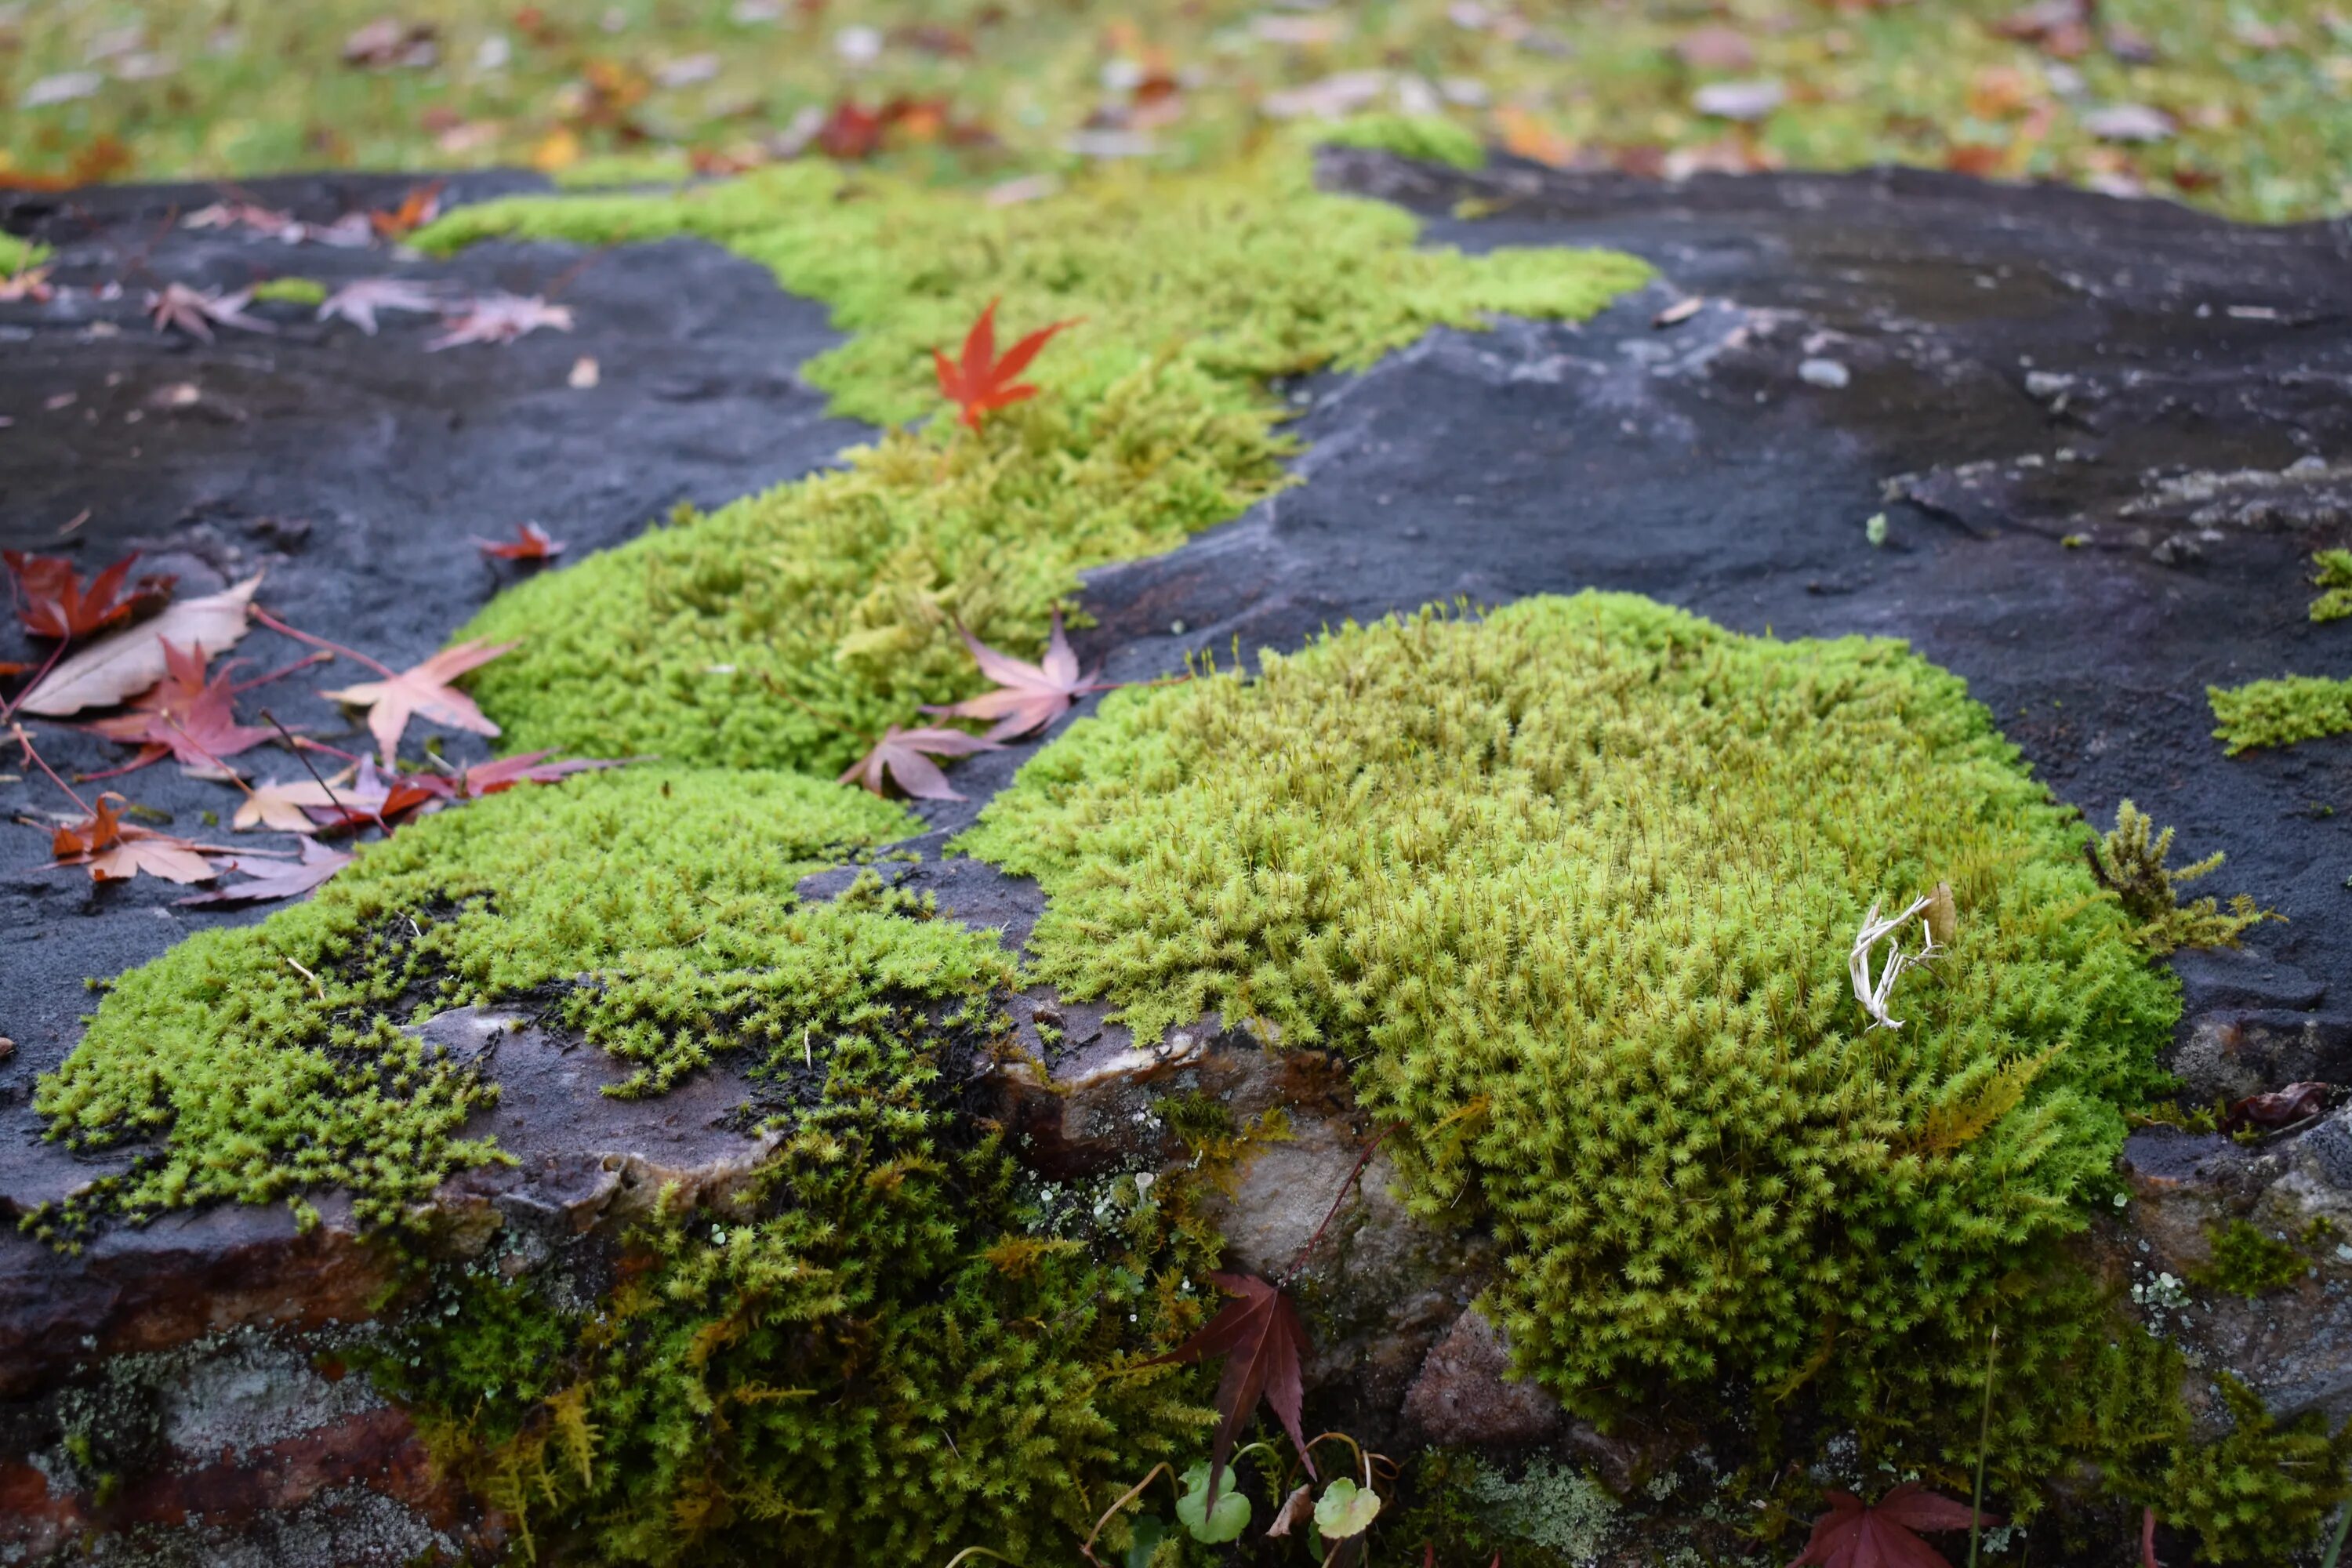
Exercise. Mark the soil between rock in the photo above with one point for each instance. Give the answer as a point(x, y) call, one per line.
point(2013, 368)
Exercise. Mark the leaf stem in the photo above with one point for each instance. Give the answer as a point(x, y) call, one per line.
point(275, 625)
point(17, 732)
point(1361, 1161)
point(1984, 1434)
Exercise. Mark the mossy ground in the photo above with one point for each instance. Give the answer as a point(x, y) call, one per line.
point(842, 591)
point(209, 89)
point(2280, 712)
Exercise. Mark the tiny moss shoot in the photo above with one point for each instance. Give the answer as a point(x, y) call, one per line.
point(1582, 877)
point(2334, 579)
point(290, 291)
point(2280, 712)
point(654, 913)
point(768, 632)
point(2131, 864)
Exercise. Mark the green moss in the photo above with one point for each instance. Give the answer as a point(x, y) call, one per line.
point(775, 630)
point(291, 291)
point(1430, 137)
point(652, 911)
point(2260, 1493)
point(2335, 579)
point(1576, 884)
point(2131, 864)
point(2281, 713)
point(666, 166)
point(15, 254)
point(898, 1352)
point(2247, 1261)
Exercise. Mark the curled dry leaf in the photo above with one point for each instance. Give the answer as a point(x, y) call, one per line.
point(904, 757)
point(133, 659)
point(1295, 1508)
point(276, 878)
point(980, 382)
point(1028, 696)
point(423, 691)
point(2279, 1108)
point(53, 602)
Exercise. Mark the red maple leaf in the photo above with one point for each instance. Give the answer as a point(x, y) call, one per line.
point(531, 542)
point(371, 800)
point(1261, 1338)
point(1028, 697)
point(851, 131)
point(52, 601)
point(184, 717)
point(981, 383)
point(1851, 1535)
point(904, 756)
point(530, 767)
point(419, 207)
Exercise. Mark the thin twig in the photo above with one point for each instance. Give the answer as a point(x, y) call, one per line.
point(17, 732)
point(1984, 1436)
point(275, 625)
point(305, 662)
point(8, 709)
point(1361, 1161)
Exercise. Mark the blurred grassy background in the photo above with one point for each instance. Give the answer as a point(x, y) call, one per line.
point(2242, 106)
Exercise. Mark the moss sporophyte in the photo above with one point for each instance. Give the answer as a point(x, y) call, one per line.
point(1571, 885)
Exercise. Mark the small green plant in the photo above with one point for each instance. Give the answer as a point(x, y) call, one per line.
point(2250, 1262)
point(2130, 862)
point(2261, 1493)
point(2280, 712)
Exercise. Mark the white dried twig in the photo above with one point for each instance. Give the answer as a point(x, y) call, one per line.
point(1873, 994)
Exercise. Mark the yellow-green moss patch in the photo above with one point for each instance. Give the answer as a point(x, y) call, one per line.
point(652, 911)
point(758, 635)
point(1432, 137)
point(17, 254)
point(2280, 712)
point(1575, 886)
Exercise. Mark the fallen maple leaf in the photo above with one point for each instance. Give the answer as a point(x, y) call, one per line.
point(184, 717)
point(358, 300)
point(371, 800)
point(114, 851)
point(981, 383)
point(276, 878)
point(1028, 696)
point(280, 807)
point(531, 542)
point(52, 602)
point(1852, 1535)
point(501, 319)
point(1261, 1339)
point(530, 767)
point(197, 311)
point(246, 215)
point(422, 690)
point(419, 207)
point(131, 660)
point(904, 756)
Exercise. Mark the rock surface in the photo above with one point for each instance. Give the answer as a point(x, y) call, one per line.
point(2105, 437)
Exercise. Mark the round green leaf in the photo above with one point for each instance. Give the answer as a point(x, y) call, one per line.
point(1345, 1511)
point(1226, 1521)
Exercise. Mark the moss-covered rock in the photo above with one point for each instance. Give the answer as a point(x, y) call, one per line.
point(771, 632)
point(1575, 885)
point(652, 911)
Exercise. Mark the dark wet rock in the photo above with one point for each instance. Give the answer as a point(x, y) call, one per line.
point(1465, 1395)
point(2039, 389)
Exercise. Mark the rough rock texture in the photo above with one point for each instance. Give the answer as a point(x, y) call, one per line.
point(2105, 436)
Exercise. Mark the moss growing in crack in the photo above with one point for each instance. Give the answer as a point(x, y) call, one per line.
point(755, 635)
point(1590, 869)
point(897, 1352)
point(2280, 712)
point(2260, 1493)
point(652, 911)
point(2249, 1261)
point(2334, 579)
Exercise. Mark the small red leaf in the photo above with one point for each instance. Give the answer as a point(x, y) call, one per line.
point(52, 601)
point(1852, 1535)
point(1262, 1339)
point(981, 383)
point(904, 757)
point(531, 542)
